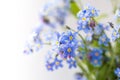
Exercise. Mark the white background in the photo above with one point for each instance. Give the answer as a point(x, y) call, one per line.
point(17, 19)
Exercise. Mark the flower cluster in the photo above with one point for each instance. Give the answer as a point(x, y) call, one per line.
point(54, 13)
point(66, 46)
point(85, 16)
point(96, 51)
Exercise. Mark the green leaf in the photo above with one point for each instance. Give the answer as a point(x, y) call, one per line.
point(74, 8)
point(102, 72)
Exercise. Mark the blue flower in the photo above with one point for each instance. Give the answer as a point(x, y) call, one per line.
point(68, 37)
point(85, 28)
point(93, 12)
point(96, 57)
point(117, 72)
point(61, 15)
point(67, 50)
point(54, 13)
point(28, 49)
point(57, 63)
point(34, 43)
point(104, 40)
point(49, 66)
point(51, 36)
point(89, 36)
point(72, 63)
point(115, 34)
point(98, 29)
point(79, 76)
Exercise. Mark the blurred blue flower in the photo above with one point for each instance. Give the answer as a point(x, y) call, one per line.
point(93, 12)
point(117, 72)
point(96, 57)
point(79, 76)
point(98, 29)
point(89, 36)
point(34, 43)
point(115, 34)
point(104, 40)
point(49, 66)
point(85, 28)
point(54, 13)
point(72, 63)
point(51, 36)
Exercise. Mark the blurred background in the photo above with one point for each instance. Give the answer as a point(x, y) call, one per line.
point(17, 19)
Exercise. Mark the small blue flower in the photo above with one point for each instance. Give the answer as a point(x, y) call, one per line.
point(89, 11)
point(72, 63)
point(93, 12)
point(117, 72)
point(28, 49)
point(51, 36)
point(79, 76)
point(67, 50)
point(98, 29)
point(57, 63)
point(68, 37)
point(49, 66)
point(89, 36)
point(104, 40)
point(96, 57)
point(115, 34)
point(61, 15)
point(85, 28)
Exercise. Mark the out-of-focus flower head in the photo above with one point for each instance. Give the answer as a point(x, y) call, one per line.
point(95, 57)
point(34, 42)
point(117, 72)
point(79, 76)
point(55, 12)
point(104, 40)
point(115, 33)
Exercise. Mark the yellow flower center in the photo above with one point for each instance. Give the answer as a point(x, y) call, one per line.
point(114, 33)
point(96, 54)
point(93, 11)
point(57, 42)
point(49, 66)
point(69, 49)
point(103, 39)
point(38, 45)
point(57, 63)
point(83, 18)
point(70, 37)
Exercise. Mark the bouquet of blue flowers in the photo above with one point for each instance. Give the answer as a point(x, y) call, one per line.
point(92, 46)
